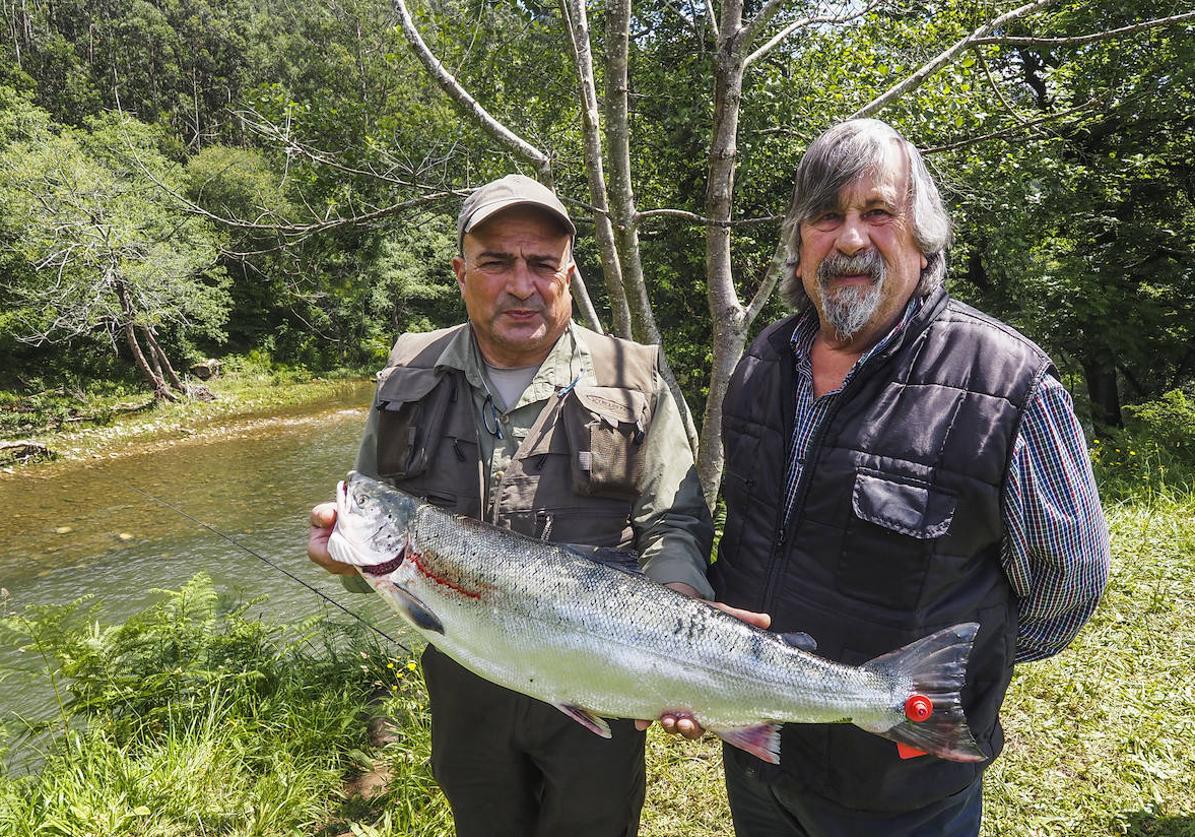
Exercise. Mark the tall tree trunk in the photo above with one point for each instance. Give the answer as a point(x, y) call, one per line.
point(618, 141)
point(1102, 388)
point(126, 305)
point(623, 212)
point(156, 383)
point(151, 338)
point(152, 356)
point(730, 338)
point(584, 302)
point(729, 319)
point(577, 21)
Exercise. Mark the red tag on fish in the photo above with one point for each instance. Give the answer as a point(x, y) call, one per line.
point(908, 751)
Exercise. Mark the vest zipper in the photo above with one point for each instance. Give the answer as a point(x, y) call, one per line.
point(776, 558)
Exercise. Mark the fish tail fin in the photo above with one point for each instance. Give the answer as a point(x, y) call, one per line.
point(931, 713)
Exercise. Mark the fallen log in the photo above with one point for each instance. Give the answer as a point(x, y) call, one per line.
point(24, 450)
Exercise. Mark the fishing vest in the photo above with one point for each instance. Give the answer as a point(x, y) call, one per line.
point(896, 530)
point(575, 476)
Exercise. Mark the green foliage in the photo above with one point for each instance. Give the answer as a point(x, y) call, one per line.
point(192, 713)
point(1169, 421)
point(41, 408)
point(103, 245)
point(1067, 167)
point(1153, 455)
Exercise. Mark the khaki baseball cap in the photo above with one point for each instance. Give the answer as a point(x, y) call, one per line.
point(512, 190)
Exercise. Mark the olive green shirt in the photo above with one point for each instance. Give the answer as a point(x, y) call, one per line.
point(673, 530)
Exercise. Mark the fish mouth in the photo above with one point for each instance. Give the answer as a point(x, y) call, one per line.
point(344, 501)
point(348, 546)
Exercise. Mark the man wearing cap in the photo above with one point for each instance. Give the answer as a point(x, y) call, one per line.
point(526, 420)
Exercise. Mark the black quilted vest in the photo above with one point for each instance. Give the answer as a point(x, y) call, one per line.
point(896, 531)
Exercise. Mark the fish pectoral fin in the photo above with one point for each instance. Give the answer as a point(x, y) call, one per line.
point(761, 741)
point(419, 614)
point(585, 718)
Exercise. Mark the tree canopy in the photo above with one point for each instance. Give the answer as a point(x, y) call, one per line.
point(322, 149)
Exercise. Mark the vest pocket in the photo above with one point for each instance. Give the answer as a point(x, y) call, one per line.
point(595, 526)
point(605, 427)
point(412, 403)
point(891, 537)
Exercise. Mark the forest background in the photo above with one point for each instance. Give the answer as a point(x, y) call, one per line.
point(277, 182)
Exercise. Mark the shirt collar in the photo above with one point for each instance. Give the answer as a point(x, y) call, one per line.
point(567, 360)
point(808, 324)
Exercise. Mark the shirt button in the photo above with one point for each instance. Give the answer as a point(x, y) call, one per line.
point(506, 419)
point(498, 475)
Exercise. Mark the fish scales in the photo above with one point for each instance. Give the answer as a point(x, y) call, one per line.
point(660, 627)
point(547, 621)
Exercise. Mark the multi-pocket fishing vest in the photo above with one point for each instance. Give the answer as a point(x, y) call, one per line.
point(896, 531)
point(576, 474)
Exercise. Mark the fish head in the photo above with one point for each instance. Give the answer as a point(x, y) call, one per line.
point(372, 524)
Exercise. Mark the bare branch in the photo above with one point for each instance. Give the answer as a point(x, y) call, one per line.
point(701, 219)
point(456, 91)
point(946, 56)
point(292, 147)
point(1008, 40)
point(1007, 132)
point(297, 232)
point(771, 278)
point(576, 22)
point(749, 30)
point(996, 88)
point(803, 23)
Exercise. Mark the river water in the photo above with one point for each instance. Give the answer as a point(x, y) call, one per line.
point(79, 528)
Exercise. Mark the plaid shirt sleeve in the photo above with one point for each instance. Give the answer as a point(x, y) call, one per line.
point(1055, 550)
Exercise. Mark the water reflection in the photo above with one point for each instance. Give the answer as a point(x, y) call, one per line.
point(78, 528)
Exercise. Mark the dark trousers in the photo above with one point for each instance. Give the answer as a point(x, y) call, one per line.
point(762, 808)
point(513, 766)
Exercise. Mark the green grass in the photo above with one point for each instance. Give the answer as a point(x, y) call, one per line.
point(193, 720)
point(1101, 738)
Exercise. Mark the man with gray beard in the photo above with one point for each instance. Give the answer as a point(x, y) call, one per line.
point(896, 463)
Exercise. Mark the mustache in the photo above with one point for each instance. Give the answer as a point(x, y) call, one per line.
point(867, 263)
point(536, 306)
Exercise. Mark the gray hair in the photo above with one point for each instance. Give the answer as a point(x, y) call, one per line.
point(839, 156)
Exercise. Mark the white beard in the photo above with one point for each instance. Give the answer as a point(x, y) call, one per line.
point(851, 308)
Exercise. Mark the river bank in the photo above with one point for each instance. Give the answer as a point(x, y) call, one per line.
point(111, 424)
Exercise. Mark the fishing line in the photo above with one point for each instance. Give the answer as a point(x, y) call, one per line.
point(270, 563)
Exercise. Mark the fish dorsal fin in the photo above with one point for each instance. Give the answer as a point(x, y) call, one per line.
point(626, 560)
point(585, 718)
point(800, 639)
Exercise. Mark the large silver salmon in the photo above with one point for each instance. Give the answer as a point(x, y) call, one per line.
point(594, 640)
